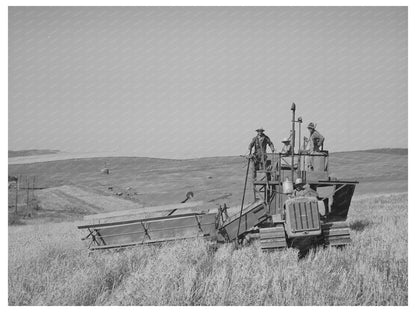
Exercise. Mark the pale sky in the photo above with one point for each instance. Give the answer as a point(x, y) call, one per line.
point(177, 82)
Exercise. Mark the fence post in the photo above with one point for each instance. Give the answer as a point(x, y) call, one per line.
point(33, 191)
point(17, 194)
point(27, 194)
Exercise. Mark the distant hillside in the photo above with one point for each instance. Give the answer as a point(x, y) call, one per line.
point(392, 151)
point(32, 152)
point(165, 181)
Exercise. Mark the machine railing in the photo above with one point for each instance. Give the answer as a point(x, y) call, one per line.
point(274, 163)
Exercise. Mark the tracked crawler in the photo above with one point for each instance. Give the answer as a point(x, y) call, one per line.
point(280, 217)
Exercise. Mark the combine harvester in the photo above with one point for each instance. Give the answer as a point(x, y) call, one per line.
point(281, 216)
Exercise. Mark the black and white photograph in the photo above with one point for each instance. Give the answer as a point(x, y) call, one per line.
point(207, 155)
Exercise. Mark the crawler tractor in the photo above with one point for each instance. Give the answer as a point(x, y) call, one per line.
point(283, 214)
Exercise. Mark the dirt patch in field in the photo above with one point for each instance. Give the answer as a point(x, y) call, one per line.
point(74, 202)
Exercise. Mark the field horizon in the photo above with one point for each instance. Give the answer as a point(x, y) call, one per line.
point(30, 154)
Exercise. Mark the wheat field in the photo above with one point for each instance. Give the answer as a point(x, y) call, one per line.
point(50, 265)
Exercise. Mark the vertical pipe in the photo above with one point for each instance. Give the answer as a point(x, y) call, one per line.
point(244, 194)
point(293, 108)
point(280, 181)
point(304, 164)
point(299, 159)
point(273, 187)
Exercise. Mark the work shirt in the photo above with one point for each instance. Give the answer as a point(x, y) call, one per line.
point(260, 144)
point(306, 191)
point(315, 141)
point(287, 149)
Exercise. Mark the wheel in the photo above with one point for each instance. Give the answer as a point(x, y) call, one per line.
point(336, 233)
point(273, 237)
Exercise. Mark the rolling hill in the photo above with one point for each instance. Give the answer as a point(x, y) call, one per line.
point(215, 180)
point(32, 152)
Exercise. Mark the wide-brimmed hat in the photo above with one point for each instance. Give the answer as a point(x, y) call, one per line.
point(285, 140)
point(260, 129)
point(311, 125)
point(298, 181)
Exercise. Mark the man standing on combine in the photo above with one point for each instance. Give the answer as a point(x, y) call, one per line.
point(315, 144)
point(260, 142)
point(316, 140)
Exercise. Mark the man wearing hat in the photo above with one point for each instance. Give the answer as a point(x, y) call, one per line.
point(298, 187)
point(315, 143)
point(260, 142)
point(316, 140)
point(287, 147)
point(302, 189)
